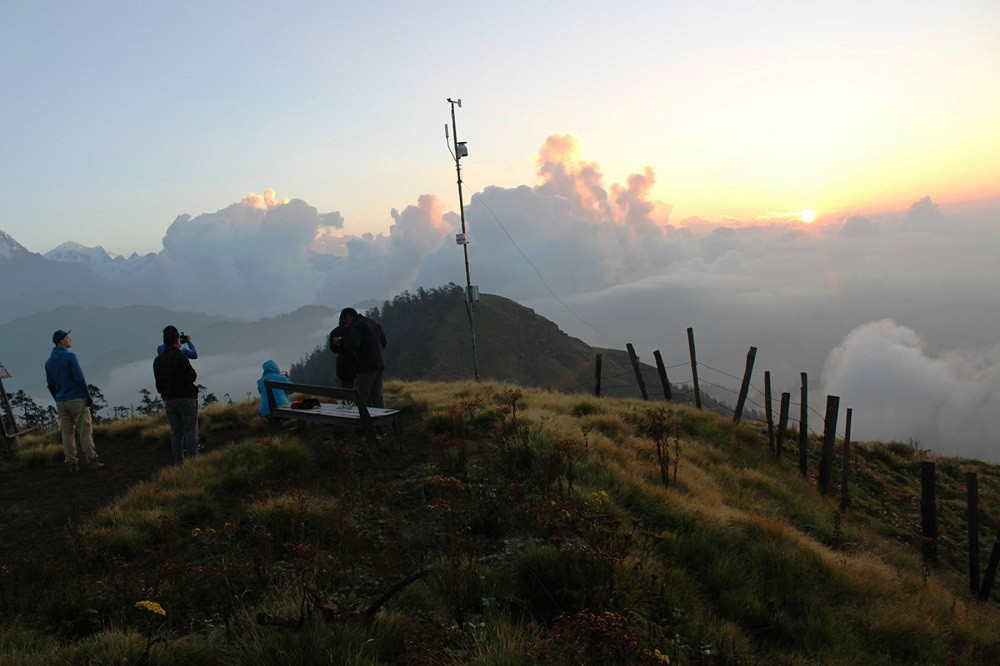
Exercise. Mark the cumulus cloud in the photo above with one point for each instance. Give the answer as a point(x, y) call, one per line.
point(247, 258)
point(857, 225)
point(924, 215)
point(610, 253)
point(900, 392)
point(578, 233)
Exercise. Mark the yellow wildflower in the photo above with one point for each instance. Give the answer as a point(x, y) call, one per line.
point(152, 607)
point(196, 532)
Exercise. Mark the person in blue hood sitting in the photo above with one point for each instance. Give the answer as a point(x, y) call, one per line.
point(273, 373)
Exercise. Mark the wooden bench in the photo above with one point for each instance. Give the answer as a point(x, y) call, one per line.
point(352, 415)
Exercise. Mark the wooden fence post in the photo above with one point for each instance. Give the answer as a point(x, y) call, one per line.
point(597, 376)
point(786, 401)
point(804, 426)
point(928, 512)
point(745, 386)
point(768, 412)
point(694, 369)
point(637, 370)
point(972, 500)
point(829, 439)
point(8, 428)
point(661, 370)
point(991, 569)
point(845, 470)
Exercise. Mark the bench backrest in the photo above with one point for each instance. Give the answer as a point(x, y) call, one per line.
point(319, 391)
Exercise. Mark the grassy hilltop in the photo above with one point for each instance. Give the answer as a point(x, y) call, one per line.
point(507, 526)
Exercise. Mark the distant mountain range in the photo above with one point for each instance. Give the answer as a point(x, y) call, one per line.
point(116, 346)
point(117, 316)
point(74, 274)
point(32, 283)
point(94, 257)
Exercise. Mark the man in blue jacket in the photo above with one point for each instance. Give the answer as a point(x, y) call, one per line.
point(69, 389)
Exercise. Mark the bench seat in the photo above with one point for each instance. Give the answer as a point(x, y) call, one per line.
point(350, 415)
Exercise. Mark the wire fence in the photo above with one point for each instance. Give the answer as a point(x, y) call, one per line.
point(617, 380)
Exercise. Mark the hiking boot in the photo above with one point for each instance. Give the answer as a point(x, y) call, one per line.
point(69, 469)
point(97, 464)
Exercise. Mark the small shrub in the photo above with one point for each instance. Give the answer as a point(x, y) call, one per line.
point(901, 449)
point(438, 423)
point(290, 515)
point(41, 456)
point(609, 425)
point(288, 455)
point(194, 507)
point(158, 433)
point(558, 581)
point(586, 408)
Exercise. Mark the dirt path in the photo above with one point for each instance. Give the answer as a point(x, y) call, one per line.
point(37, 504)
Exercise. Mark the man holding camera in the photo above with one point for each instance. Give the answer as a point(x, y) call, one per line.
point(175, 383)
point(187, 347)
point(364, 338)
point(70, 391)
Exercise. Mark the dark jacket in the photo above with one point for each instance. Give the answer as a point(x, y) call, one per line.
point(365, 338)
point(174, 375)
point(347, 361)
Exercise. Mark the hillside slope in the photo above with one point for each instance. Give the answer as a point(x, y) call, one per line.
point(506, 526)
point(430, 339)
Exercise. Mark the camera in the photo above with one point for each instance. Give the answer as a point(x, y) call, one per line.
point(185, 338)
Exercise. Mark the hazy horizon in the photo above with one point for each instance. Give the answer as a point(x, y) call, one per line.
point(812, 179)
point(895, 313)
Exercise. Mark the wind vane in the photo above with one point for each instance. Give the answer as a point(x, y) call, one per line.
point(471, 290)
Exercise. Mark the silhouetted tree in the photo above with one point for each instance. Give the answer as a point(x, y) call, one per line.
point(150, 404)
point(33, 415)
point(100, 402)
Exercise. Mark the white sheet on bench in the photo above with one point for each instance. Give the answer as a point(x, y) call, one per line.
point(340, 411)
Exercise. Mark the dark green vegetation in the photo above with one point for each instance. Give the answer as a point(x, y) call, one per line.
point(429, 341)
point(508, 526)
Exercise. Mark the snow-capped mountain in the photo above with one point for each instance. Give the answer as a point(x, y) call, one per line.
point(81, 254)
point(33, 283)
point(10, 249)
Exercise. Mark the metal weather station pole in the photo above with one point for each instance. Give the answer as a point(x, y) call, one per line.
point(458, 151)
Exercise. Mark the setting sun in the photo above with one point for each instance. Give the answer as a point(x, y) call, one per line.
point(808, 216)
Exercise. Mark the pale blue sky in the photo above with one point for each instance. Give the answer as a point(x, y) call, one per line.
point(120, 115)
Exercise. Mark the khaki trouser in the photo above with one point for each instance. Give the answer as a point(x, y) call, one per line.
point(74, 420)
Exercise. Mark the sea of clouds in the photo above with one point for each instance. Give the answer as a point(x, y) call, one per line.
point(896, 314)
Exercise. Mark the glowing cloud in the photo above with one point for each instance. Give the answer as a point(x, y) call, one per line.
point(264, 201)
